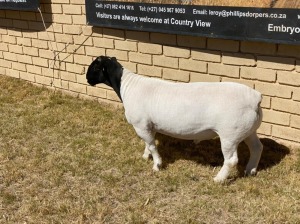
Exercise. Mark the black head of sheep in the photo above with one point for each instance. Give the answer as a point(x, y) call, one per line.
point(105, 70)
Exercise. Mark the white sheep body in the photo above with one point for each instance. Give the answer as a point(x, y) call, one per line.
point(185, 110)
point(194, 111)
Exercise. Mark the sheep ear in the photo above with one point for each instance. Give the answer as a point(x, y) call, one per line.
point(100, 58)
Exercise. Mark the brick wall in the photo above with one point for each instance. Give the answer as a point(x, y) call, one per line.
point(27, 52)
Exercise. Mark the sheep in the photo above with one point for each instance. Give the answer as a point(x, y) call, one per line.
point(192, 111)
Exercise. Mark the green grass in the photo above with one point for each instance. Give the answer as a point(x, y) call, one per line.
point(67, 160)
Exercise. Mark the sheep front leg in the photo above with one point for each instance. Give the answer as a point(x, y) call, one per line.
point(147, 152)
point(148, 136)
point(155, 155)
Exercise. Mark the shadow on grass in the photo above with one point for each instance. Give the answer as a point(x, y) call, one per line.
point(209, 152)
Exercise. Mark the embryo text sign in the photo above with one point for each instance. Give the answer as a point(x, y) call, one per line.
point(241, 23)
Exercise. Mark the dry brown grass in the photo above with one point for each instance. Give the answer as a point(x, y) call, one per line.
point(234, 3)
point(66, 160)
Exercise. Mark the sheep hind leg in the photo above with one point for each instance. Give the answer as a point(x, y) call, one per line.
point(256, 149)
point(229, 151)
point(150, 149)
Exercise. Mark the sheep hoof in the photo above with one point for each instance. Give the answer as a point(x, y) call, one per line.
point(251, 172)
point(146, 156)
point(156, 167)
point(219, 180)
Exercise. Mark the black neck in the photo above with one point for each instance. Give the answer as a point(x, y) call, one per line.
point(115, 83)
